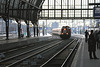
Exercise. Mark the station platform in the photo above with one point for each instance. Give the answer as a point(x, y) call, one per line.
point(82, 59)
point(4, 41)
point(15, 42)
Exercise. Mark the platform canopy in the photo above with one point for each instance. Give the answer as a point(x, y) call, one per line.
point(48, 9)
point(21, 9)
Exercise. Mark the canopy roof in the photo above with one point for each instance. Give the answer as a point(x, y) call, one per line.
point(21, 9)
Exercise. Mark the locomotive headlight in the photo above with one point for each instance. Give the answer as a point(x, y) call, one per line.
point(62, 33)
point(66, 33)
point(64, 28)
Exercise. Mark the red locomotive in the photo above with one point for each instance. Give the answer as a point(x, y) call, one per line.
point(64, 32)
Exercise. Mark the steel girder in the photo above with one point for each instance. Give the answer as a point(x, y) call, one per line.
point(21, 4)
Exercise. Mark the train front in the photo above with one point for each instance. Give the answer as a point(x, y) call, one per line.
point(65, 32)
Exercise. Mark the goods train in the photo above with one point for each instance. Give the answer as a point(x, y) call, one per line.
point(64, 32)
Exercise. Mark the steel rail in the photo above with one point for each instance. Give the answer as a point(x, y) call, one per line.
point(23, 53)
point(10, 50)
point(57, 53)
point(70, 54)
point(11, 65)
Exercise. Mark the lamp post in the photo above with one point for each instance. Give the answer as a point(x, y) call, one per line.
point(83, 26)
point(94, 25)
point(43, 28)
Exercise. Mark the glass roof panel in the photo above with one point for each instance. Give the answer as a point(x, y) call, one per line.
point(68, 8)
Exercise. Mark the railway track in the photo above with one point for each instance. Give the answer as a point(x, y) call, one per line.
point(22, 49)
point(61, 58)
point(13, 60)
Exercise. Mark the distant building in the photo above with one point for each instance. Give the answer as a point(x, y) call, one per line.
point(55, 25)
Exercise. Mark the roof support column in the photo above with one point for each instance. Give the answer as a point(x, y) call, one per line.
point(19, 28)
point(7, 18)
point(83, 26)
point(13, 7)
point(46, 26)
point(43, 28)
point(28, 32)
point(19, 21)
point(37, 30)
point(28, 16)
point(7, 27)
point(34, 30)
